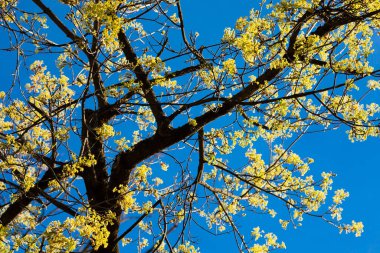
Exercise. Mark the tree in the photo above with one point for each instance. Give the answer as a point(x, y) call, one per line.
point(126, 121)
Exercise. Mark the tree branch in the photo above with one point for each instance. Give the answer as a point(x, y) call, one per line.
point(142, 76)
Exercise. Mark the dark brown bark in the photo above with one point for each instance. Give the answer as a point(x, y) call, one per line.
point(26, 198)
point(143, 77)
point(95, 178)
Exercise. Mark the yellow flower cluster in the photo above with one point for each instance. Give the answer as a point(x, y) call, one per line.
point(336, 213)
point(29, 179)
point(143, 242)
point(354, 227)
point(71, 170)
point(174, 18)
point(357, 228)
point(144, 119)
point(105, 13)
point(230, 67)
point(314, 198)
point(249, 47)
point(47, 87)
point(126, 200)
point(147, 207)
point(284, 223)
point(248, 41)
point(142, 172)
point(122, 144)
point(257, 248)
point(354, 112)
point(270, 242)
point(258, 200)
point(209, 76)
point(5, 3)
point(229, 35)
point(92, 226)
point(8, 15)
point(192, 122)
point(256, 233)
point(105, 132)
point(152, 63)
point(186, 248)
point(339, 196)
point(373, 85)
point(56, 239)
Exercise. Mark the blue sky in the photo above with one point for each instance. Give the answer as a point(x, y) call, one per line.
point(357, 164)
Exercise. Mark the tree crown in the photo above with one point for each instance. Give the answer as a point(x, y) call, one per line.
point(126, 123)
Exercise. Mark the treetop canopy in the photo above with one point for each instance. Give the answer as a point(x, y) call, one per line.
point(119, 131)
